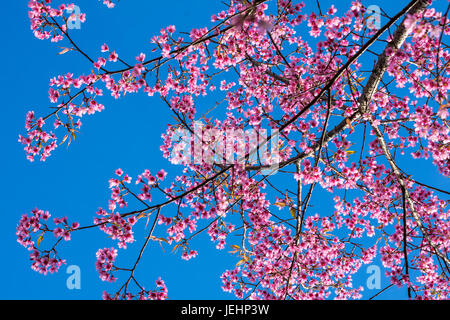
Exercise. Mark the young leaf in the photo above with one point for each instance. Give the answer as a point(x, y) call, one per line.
point(65, 50)
point(293, 212)
point(280, 204)
point(39, 240)
point(349, 123)
point(240, 262)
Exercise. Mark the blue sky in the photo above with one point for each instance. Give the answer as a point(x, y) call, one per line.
point(73, 181)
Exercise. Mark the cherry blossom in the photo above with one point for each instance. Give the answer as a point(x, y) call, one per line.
point(345, 127)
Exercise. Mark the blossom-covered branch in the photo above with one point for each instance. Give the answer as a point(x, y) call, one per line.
point(338, 123)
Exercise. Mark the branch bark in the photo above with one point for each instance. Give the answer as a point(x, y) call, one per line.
point(399, 37)
point(407, 196)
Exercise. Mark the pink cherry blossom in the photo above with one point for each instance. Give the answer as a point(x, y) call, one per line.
point(350, 112)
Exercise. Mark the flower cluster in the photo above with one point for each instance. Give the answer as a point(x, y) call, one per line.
point(322, 112)
point(116, 227)
point(44, 17)
point(159, 293)
point(105, 263)
point(43, 261)
point(109, 3)
point(37, 141)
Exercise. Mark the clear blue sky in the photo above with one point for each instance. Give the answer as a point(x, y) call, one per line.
point(73, 182)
